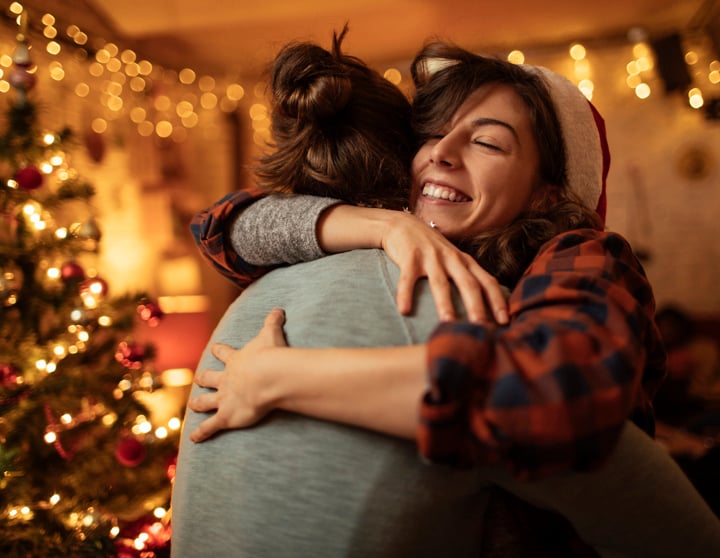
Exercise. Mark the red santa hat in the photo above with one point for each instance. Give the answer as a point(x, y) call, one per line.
point(586, 149)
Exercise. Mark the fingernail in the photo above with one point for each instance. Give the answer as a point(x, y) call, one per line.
point(502, 317)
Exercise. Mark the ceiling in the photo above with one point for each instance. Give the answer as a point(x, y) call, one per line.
point(239, 37)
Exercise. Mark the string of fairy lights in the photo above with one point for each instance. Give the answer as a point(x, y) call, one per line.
point(168, 104)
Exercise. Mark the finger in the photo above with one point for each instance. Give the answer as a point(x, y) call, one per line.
point(471, 293)
point(405, 291)
point(441, 293)
point(221, 351)
point(208, 378)
point(206, 428)
point(204, 403)
point(276, 318)
point(273, 326)
point(494, 295)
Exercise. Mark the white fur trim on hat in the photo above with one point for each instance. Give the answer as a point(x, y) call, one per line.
point(583, 148)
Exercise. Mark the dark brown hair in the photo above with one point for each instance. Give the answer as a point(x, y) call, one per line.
point(339, 129)
point(444, 76)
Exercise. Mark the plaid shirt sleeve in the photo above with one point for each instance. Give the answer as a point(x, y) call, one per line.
point(208, 229)
point(550, 391)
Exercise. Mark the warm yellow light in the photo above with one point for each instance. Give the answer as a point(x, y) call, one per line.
point(691, 57)
point(186, 76)
point(54, 499)
point(96, 69)
point(50, 437)
point(163, 129)
point(695, 98)
point(137, 114)
point(633, 80)
point(53, 47)
point(208, 101)
point(99, 125)
point(516, 57)
point(82, 89)
point(128, 56)
point(644, 64)
point(393, 75)
point(258, 111)
point(206, 83)
point(114, 65)
point(162, 102)
point(235, 92)
point(191, 120)
point(145, 128)
point(137, 84)
point(642, 91)
point(577, 52)
point(15, 8)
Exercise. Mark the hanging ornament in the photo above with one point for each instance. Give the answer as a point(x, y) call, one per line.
point(28, 177)
point(10, 285)
point(95, 145)
point(130, 355)
point(151, 313)
point(130, 452)
point(72, 271)
point(88, 232)
point(22, 78)
point(8, 375)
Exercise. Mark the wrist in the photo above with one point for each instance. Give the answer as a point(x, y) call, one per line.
point(341, 228)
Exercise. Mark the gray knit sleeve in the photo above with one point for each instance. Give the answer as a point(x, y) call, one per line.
point(279, 228)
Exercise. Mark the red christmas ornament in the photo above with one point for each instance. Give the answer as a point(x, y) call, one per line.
point(130, 452)
point(72, 271)
point(22, 80)
point(29, 177)
point(151, 313)
point(8, 375)
point(130, 355)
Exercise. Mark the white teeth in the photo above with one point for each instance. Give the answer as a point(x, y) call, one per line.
point(441, 193)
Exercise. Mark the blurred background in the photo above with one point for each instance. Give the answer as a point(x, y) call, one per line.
point(168, 100)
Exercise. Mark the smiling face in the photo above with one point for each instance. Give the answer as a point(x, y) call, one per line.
point(480, 171)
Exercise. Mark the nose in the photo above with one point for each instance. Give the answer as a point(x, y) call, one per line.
point(444, 152)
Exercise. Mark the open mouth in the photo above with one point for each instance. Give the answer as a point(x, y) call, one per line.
point(443, 193)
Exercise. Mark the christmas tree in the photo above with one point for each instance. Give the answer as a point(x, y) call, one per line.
point(83, 470)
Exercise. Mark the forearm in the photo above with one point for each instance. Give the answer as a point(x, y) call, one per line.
point(278, 229)
point(378, 389)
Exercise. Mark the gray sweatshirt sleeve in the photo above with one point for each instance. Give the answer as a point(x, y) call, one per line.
point(279, 228)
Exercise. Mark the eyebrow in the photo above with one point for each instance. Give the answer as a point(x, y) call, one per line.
point(478, 122)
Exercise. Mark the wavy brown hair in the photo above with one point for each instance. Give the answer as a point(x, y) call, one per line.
point(444, 76)
point(339, 129)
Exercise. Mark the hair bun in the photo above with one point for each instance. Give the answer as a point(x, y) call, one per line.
point(308, 83)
